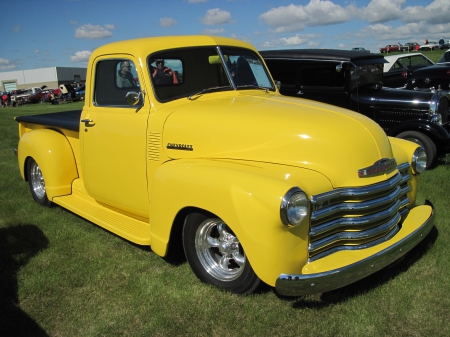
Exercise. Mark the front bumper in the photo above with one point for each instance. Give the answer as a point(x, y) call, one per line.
point(305, 284)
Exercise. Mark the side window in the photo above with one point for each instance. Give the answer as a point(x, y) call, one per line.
point(322, 75)
point(113, 80)
point(126, 76)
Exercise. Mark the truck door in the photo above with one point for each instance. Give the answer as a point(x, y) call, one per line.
point(113, 138)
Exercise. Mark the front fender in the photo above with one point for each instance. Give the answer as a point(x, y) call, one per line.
point(247, 196)
point(54, 155)
point(436, 131)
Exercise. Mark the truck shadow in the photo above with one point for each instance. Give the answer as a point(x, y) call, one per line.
point(371, 282)
point(18, 245)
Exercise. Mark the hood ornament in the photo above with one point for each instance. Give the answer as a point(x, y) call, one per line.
point(380, 167)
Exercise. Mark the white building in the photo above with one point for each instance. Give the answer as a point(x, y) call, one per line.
point(51, 77)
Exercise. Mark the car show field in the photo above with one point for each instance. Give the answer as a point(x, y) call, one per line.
point(61, 275)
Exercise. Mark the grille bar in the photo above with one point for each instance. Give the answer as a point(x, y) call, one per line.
point(356, 218)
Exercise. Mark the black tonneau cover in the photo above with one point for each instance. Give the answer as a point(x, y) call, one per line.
point(66, 119)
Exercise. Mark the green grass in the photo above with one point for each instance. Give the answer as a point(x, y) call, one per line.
point(63, 276)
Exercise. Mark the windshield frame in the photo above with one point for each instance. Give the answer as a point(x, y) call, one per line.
point(207, 69)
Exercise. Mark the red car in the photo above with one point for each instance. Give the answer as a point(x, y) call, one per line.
point(390, 48)
point(40, 97)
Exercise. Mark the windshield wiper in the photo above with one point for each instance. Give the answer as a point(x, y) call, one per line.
point(204, 91)
point(253, 86)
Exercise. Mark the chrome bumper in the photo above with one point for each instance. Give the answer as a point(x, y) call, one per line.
point(305, 284)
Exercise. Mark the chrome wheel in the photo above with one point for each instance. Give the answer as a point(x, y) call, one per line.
point(37, 180)
point(216, 256)
point(37, 183)
point(219, 250)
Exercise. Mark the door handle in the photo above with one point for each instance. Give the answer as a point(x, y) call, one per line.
point(87, 122)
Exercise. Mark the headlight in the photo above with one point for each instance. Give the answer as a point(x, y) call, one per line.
point(436, 118)
point(419, 161)
point(294, 207)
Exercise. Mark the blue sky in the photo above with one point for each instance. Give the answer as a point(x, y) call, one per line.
point(63, 33)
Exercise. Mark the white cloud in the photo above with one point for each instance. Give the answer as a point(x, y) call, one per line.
point(438, 12)
point(167, 22)
point(296, 17)
point(293, 40)
point(196, 1)
point(213, 31)
point(81, 56)
point(5, 65)
point(89, 31)
point(216, 16)
point(378, 11)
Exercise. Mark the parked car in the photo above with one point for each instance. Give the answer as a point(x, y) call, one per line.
point(396, 66)
point(431, 45)
point(79, 93)
point(409, 46)
point(361, 49)
point(21, 96)
point(40, 97)
point(390, 48)
point(431, 78)
point(354, 80)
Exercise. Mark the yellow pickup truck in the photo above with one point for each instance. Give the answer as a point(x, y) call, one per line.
point(186, 142)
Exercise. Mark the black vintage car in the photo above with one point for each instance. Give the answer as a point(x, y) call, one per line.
point(354, 80)
point(434, 77)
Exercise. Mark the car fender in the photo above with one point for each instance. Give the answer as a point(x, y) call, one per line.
point(55, 157)
point(433, 130)
point(247, 197)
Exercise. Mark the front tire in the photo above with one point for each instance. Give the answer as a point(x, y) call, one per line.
point(216, 255)
point(424, 141)
point(37, 183)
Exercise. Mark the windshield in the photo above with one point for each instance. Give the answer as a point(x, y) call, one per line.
point(371, 74)
point(445, 58)
point(193, 71)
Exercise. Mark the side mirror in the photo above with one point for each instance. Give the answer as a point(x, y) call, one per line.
point(278, 84)
point(133, 97)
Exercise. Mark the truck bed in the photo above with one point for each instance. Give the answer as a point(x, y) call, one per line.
point(66, 119)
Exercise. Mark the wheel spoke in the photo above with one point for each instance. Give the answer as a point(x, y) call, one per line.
point(213, 242)
point(224, 262)
point(239, 258)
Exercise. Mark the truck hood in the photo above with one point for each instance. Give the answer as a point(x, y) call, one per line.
point(280, 130)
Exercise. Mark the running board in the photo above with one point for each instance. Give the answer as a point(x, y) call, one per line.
point(132, 229)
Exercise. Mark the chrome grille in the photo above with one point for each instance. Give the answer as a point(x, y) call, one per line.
point(443, 109)
point(357, 218)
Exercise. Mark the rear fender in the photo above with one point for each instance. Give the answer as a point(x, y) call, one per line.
point(54, 155)
point(246, 197)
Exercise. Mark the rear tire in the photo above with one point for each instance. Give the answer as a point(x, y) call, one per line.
point(425, 142)
point(216, 255)
point(37, 183)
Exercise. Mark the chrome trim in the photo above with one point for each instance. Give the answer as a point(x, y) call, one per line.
point(357, 192)
point(351, 236)
point(299, 284)
point(358, 217)
point(285, 204)
point(356, 221)
point(357, 206)
point(225, 65)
